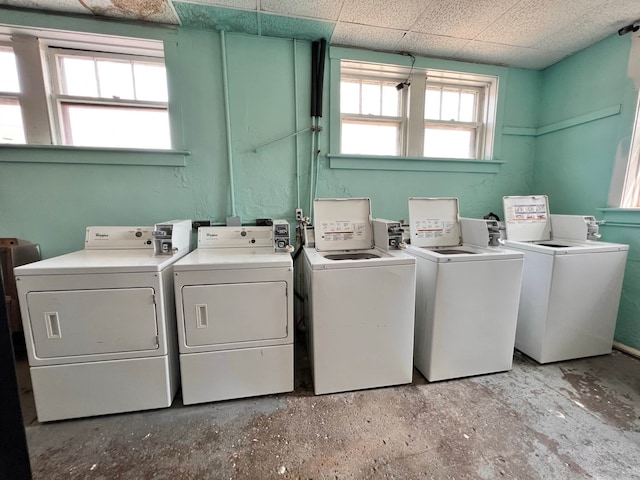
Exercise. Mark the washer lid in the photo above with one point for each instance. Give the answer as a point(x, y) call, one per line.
point(434, 222)
point(343, 224)
point(527, 218)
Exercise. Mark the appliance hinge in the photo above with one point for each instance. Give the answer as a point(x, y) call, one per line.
point(153, 296)
point(157, 340)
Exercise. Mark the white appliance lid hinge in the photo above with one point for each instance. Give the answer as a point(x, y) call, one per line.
point(153, 296)
point(157, 340)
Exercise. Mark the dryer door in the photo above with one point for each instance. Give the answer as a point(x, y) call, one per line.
point(87, 322)
point(234, 312)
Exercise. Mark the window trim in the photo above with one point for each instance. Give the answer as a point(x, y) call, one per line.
point(56, 98)
point(400, 120)
point(414, 161)
point(91, 34)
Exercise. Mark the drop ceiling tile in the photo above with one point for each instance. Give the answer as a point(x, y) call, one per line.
point(299, 28)
point(492, 53)
point(217, 18)
point(323, 9)
point(461, 18)
point(431, 45)
point(537, 59)
point(600, 22)
point(144, 10)
point(237, 4)
point(528, 23)
point(70, 6)
point(363, 36)
point(398, 14)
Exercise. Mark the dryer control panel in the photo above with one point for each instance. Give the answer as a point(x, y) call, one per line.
point(235, 237)
point(118, 238)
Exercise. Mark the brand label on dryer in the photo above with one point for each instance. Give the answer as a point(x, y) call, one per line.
point(433, 228)
point(342, 230)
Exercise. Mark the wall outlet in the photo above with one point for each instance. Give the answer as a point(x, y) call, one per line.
point(298, 214)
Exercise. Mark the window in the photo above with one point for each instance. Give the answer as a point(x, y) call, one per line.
point(11, 129)
point(399, 111)
point(452, 125)
point(85, 93)
point(371, 110)
point(631, 188)
point(102, 97)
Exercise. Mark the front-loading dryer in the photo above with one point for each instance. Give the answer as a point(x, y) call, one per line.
point(100, 322)
point(466, 293)
point(571, 285)
point(234, 297)
point(358, 302)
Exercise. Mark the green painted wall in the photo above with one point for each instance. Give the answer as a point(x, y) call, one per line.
point(52, 203)
point(574, 165)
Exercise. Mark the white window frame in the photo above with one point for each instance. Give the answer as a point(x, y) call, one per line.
point(630, 196)
point(41, 120)
point(418, 78)
point(9, 95)
point(400, 121)
point(57, 98)
point(477, 126)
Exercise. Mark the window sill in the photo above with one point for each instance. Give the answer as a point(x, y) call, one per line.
point(92, 155)
point(373, 162)
point(621, 217)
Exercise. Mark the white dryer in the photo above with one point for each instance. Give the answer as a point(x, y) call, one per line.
point(234, 297)
point(571, 285)
point(359, 302)
point(466, 293)
point(100, 323)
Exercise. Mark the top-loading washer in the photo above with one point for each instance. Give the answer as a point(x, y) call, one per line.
point(100, 322)
point(466, 293)
point(234, 297)
point(358, 302)
point(571, 285)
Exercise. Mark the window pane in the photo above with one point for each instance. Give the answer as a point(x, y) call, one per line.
point(432, 104)
point(78, 76)
point(366, 138)
point(467, 107)
point(390, 101)
point(450, 101)
point(151, 82)
point(350, 97)
point(9, 77)
point(448, 143)
point(115, 79)
point(370, 99)
point(11, 129)
point(103, 126)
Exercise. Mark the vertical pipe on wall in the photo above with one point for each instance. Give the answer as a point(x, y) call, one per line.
point(311, 169)
point(295, 106)
point(227, 117)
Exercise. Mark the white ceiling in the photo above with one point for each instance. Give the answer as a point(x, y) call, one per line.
point(521, 33)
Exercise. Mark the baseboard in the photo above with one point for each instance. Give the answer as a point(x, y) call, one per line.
point(626, 349)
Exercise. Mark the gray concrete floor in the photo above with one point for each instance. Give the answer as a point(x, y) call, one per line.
point(571, 420)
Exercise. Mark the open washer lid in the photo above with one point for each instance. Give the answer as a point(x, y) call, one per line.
point(342, 224)
point(527, 218)
point(434, 222)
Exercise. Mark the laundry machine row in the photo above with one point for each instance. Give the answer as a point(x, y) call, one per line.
point(102, 324)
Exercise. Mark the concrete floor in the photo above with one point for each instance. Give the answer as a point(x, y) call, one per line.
point(571, 420)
